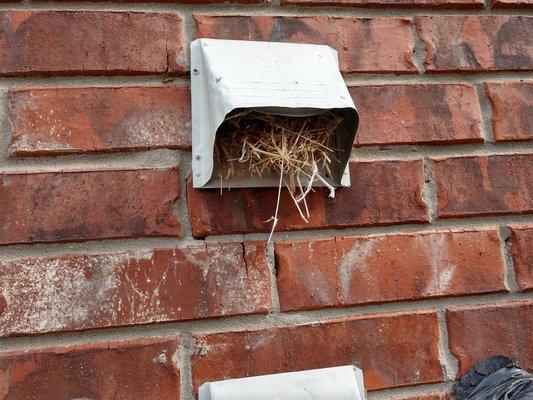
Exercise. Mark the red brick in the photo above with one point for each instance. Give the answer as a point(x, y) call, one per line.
point(512, 110)
point(408, 114)
point(57, 206)
point(499, 184)
point(389, 3)
point(511, 3)
point(385, 192)
point(521, 248)
point(89, 42)
point(95, 291)
point(73, 120)
point(66, 120)
point(345, 271)
point(377, 45)
point(479, 332)
point(134, 369)
point(392, 350)
point(476, 43)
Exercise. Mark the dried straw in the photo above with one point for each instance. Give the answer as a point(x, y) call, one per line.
point(298, 149)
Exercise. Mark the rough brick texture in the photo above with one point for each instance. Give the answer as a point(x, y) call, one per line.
point(389, 3)
point(48, 207)
point(511, 3)
point(96, 242)
point(80, 292)
point(483, 185)
point(97, 119)
point(512, 110)
point(135, 369)
point(64, 120)
point(478, 332)
point(521, 249)
point(476, 43)
point(89, 42)
point(364, 45)
point(405, 352)
point(408, 114)
point(381, 193)
point(345, 271)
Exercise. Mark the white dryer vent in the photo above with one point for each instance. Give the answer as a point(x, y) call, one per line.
point(338, 383)
point(274, 78)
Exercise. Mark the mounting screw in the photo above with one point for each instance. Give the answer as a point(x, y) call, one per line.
point(197, 157)
point(195, 71)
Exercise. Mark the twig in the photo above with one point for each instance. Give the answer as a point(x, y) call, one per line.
point(277, 207)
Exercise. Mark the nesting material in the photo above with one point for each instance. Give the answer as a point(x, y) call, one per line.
point(297, 149)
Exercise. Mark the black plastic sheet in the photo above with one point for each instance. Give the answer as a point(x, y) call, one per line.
point(496, 378)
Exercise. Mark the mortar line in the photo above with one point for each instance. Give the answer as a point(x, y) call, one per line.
point(429, 191)
point(419, 50)
point(104, 246)
point(264, 8)
point(84, 81)
point(450, 364)
point(186, 348)
point(412, 152)
point(164, 158)
point(180, 207)
point(189, 34)
point(510, 275)
point(272, 267)
point(255, 322)
point(402, 393)
point(5, 127)
point(157, 80)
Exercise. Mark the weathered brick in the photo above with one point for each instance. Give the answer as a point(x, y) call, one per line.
point(476, 43)
point(479, 332)
point(89, 42)
point(67, 120)
point(389, 3)
point(408, 114)
point(484, 185)
point(521, 249)
point(134, 369)
point(133, 118)
point(57, 206)
point(511, 3)
point(345, 271)
point(512, 110)
point(377, 45)
point(94, 291)
point(382, 192)
point(392, 350)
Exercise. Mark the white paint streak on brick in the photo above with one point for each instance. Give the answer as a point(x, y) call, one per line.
point(436, 251)
point(55, 292)
point(355, 259)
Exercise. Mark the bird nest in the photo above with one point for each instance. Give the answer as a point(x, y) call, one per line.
point(298, 150)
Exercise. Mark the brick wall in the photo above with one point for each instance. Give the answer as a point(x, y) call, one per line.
point(118, 280)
